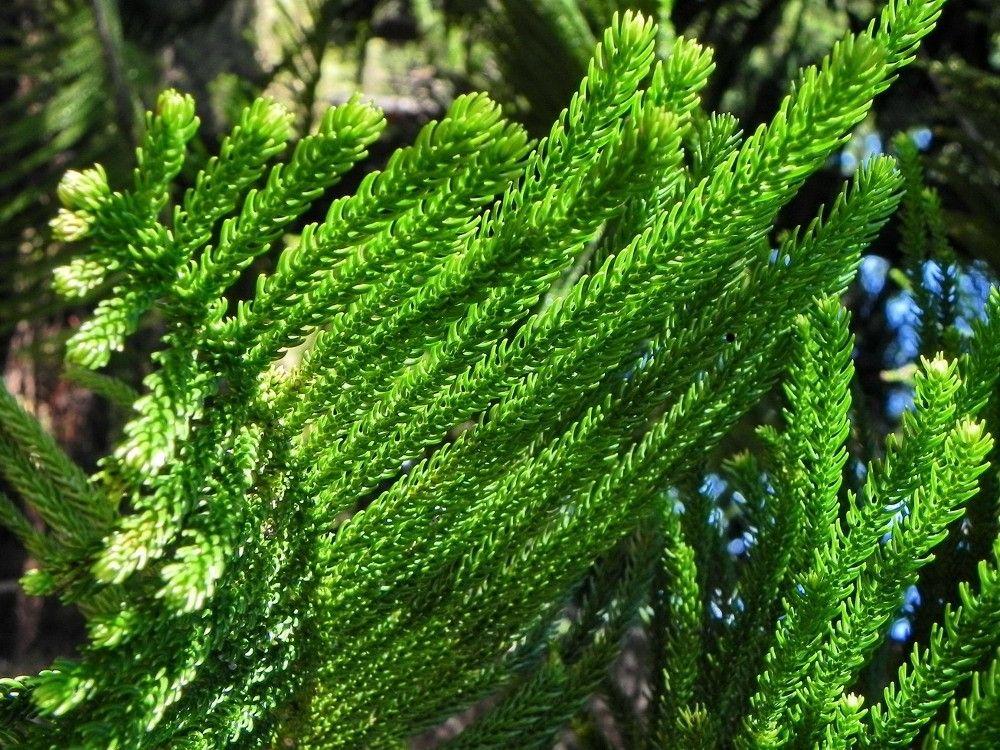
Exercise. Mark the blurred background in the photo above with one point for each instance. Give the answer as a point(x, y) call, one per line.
point(76, 76)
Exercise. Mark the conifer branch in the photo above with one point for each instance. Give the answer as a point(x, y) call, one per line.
point(967, 635)
point(973, 722)
point(513, 354)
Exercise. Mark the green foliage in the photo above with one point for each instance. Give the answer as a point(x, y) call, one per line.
point(966, 162)
point(966, 637)
point(438, 458)
point(64, 110)
point(973, 723)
